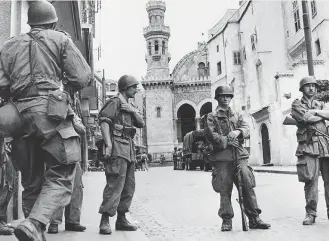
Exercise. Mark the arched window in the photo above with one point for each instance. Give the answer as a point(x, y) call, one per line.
point(156, 46)
point(150, 48)
point(158, 112)
point(202, 69)
point(163, 47)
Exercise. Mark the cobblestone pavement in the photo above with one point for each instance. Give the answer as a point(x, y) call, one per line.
point(181, 205)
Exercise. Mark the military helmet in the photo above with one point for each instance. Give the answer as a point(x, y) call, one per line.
point(41, 12)
point(307, 80)
point(224, 90)
point(126, 81)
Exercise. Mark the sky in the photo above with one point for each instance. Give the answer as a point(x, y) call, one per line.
point(124, 45)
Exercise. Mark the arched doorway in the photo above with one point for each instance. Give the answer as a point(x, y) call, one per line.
point(205, 109)
point(265, 144)
point(186, 120)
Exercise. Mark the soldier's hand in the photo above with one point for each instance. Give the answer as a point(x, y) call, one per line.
point(233, 142)
point(108, 151)
point(233, 134)
point(127, 108)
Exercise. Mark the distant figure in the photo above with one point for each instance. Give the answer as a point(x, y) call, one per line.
point(162, 159)
point(174, 157)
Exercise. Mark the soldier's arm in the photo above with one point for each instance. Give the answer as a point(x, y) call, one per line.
point(301, 115)
point(243, 127)
point(4, 79)
point(212, 134)
point(106, 117)
point(75, 66)
point(138, 120)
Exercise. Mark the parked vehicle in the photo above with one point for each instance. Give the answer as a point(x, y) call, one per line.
point(195, 151)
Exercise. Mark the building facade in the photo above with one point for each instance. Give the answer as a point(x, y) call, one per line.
point(264, 67)
point(174, 102)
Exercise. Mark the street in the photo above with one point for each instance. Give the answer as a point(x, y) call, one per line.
point(181, 205)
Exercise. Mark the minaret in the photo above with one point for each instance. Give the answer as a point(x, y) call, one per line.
point(156, 35)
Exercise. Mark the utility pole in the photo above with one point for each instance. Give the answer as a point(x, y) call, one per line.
point(103, 88)
point(308, 37)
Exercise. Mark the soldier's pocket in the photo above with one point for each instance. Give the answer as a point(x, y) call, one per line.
point(112, 167)
point(305, 170)
point(216, 181)
point(64, 146)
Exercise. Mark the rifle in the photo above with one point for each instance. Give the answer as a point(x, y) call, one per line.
point(240, 200)
point(289, 121)
point(2, 159)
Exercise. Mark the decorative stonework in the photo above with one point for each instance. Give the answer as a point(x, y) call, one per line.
point(196, 97)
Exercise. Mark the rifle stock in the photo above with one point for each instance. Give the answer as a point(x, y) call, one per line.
point(240, 200)
point(289, 121)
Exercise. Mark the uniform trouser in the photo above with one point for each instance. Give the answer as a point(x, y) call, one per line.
point(7, 175)
point(308, 168)
point(47, 183)
point(73, 210)
point(120, 186)
point(308, 173)
point(223, 177)
point(324, 167)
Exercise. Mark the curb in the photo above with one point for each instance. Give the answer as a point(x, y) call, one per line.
point(276, 171)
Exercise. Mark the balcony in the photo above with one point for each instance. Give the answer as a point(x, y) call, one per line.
point(156, 30)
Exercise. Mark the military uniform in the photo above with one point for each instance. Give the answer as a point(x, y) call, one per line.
point(226, 158)
point(49, 150)
point(7, 178)
point(120, 169)
point(312, 153)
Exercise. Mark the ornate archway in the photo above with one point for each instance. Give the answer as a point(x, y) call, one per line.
point(185, 120)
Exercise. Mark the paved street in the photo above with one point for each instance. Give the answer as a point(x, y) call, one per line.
point(94, 183)
point(181, 205)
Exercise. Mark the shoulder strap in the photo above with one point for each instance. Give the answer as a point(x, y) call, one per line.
point(46, 49)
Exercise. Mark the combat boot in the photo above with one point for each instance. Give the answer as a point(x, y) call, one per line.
point(74, 227)
point(227, 224)
point(123, 224)
point(104, 227)
point(309, 219)
point(5, 229)
point(30, 229)
point(257, 223)
point(53, 228)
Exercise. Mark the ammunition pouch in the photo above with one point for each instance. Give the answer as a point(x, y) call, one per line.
point(124, 131)
point(58, 105)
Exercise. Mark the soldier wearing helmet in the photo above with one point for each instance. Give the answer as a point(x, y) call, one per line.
point(118, 120)
point(225, 130)
point(313, 147)
point(32, 68)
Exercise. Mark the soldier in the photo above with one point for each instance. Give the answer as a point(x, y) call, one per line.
point(117, 120)
point(174, 157)
point(7, 177)
point(313, 145)
point(73, 210)
point(224, 130)
point(32, 68)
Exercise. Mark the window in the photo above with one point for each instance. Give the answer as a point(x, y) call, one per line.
point(163, 47)
point(236, 57)
point(253, 41)
point(217, 48)
point(219, 68)
point(296, 15)
point(150, 48)
point(317, 47)
point(158, 112)
point(156, 46)
point(202, 69)
point(313, 8)
point(244, 53)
